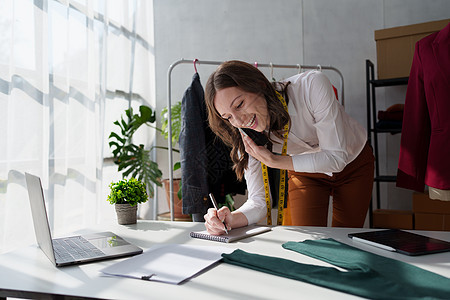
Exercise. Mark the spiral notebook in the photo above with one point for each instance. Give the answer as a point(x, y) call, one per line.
point(233, 235)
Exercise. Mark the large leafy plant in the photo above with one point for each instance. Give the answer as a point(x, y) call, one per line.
point(134, 160)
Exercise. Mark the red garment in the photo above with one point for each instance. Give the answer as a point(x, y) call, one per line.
point(335, 92)
point(425, 142)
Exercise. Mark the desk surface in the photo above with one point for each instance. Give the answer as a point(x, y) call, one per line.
point(28, 273)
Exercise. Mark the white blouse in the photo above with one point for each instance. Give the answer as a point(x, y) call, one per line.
point(323, 137)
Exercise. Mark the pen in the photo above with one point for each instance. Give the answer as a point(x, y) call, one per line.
point(217, 208)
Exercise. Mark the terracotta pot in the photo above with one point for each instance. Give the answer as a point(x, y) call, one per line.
point(177, 202)
point(126, 214)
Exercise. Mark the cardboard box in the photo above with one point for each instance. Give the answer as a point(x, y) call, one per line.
point(395, 47)
point(423, 204)
point(389, 218)
point(425, 221)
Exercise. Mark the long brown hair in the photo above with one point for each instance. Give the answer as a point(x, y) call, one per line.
point(251, 80)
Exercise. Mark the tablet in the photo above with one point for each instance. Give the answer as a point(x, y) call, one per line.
point(401, 241)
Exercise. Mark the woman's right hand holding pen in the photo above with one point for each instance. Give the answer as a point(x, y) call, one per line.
point(215, 219)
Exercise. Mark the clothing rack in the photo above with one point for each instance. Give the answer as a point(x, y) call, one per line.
point(196, 62)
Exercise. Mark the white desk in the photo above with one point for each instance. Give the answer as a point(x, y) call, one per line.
point(28, 273)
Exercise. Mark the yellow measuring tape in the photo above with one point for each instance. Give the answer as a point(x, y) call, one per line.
point(281, 195)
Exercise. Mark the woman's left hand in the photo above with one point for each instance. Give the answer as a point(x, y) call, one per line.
point(262, 154)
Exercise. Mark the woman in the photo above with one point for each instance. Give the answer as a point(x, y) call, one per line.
point(327, 150)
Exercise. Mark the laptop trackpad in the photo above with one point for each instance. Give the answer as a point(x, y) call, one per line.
point(105, 242)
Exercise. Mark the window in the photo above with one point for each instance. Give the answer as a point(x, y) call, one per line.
point(68, 69)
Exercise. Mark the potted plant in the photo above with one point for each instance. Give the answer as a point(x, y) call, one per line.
point(126, 195)
point(176, 129)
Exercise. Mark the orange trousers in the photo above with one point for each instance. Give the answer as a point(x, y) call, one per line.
point(351, 189)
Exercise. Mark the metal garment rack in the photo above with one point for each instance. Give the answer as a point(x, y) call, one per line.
point(217, 63)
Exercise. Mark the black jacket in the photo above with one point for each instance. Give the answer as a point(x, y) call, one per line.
point(206, 166)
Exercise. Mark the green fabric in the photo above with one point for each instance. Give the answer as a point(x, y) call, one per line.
point(368, 275)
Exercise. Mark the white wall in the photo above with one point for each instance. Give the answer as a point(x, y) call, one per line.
point(339, 33)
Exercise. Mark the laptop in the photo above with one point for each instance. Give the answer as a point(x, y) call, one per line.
point(75, 249)
point(400, 241)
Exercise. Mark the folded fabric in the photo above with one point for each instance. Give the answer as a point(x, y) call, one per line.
point(385, 124)
point(394, 126)
point(390, 116)
point(392, 113)
point(396, 107)
point(368, 275)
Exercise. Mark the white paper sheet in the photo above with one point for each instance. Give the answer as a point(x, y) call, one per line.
point(170, 263)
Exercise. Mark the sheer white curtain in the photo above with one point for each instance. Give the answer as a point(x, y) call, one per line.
point(68, 69)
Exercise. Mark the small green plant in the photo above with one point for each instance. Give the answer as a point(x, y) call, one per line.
point(130, 191)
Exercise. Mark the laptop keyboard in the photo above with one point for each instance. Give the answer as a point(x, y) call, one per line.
point(74, 248)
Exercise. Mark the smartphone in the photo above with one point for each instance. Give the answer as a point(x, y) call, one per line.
point(259, 138)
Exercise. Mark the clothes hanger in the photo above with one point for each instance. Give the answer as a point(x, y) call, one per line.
point(195, 66)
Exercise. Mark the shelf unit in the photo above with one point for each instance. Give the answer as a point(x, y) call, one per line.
point(372, 125)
